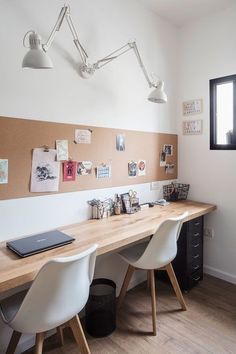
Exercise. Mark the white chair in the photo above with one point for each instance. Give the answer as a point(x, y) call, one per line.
point(58, 293)
point(155, 254)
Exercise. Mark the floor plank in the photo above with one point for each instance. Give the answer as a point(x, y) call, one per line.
point(208, 325)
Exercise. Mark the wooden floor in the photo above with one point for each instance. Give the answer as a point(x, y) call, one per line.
point(208, 326)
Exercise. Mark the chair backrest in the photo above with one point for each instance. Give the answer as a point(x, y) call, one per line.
point(59, 291)
point(162, 248)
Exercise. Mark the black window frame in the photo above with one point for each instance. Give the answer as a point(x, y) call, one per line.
point(213, 85)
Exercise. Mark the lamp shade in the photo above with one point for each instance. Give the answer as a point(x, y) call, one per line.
point(158, 95)
point(36, 58)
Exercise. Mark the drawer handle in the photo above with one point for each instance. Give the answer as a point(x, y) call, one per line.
point(196, 267)
point(197, 256)
point(195, 246)
point(196, 279)
point(197, 223)
point(197, 234)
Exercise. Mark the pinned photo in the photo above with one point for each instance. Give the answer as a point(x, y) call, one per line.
point(84, 168)
point(141, 168)
point(170, 167)
point(62, 150)
point(162, 159)
point(3, 171)
point(168, 149)
point(69, 171)
point(132, 169)
point(103, 171)
point(83, 136)
point(120, 142)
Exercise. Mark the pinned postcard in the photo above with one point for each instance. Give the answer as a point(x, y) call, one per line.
point(62, 150)
point(84, 168)
point(45, 171)
point(3, 171)
point(163, 159)
point(132, 169)
point(141, 168)
point(170, 167)
point(83, 136)
point(104, 171)
point(120, 142)
point(69, 171)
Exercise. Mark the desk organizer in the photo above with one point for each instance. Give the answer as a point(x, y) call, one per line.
point(175, 191)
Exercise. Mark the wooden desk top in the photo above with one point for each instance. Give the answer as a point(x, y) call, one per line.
point(110, 234)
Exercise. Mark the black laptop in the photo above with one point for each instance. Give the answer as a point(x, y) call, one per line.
point(27, 246)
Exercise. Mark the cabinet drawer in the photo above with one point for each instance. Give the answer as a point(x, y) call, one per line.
point(195, 225)
point(194, 278)
point(195, 265)
point(195, 248)
point(194, 256)
point(195, 237)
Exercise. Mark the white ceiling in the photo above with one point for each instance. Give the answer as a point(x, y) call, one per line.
point(180, 12)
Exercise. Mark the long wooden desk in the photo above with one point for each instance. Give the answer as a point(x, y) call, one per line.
point(110, 235)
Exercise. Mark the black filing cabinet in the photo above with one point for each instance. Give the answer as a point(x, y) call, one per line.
point(188, 264)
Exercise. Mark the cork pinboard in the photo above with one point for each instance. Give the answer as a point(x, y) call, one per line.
point(18, 138)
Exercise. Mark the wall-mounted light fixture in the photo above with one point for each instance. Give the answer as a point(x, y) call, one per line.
point(37, 57)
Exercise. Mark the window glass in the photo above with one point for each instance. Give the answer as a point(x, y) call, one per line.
point(224, 113)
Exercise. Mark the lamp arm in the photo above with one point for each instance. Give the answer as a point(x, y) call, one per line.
point(117, 53)
point(65, 13)
point(136, 51)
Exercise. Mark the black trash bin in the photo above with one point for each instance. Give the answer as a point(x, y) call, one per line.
point(100, 310)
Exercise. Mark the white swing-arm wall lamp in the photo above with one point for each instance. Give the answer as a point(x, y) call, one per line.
point(37, 57)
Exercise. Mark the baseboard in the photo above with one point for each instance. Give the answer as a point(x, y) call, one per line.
point(231, 278)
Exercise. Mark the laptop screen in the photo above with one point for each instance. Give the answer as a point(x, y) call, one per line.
point(39, 243)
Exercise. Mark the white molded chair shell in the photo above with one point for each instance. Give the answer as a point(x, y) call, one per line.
point(160, 250)
point(59, 292)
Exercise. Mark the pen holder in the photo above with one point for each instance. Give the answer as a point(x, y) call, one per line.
point(97, 212)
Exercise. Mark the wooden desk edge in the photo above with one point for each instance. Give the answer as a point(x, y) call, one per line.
point(22, 279)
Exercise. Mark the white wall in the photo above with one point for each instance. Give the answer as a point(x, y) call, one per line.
point(114, 97)
point(207, 51)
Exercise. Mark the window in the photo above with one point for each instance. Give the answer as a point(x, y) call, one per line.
point(223, 113)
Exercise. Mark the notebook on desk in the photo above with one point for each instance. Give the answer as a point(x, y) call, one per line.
point(28, 246)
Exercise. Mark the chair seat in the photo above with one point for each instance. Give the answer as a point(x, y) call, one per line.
point(133, 253)
point(10, 305)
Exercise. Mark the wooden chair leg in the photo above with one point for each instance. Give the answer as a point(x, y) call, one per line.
point(125, 284)
point(13, 342)
point(60, 335)
point(154, 306)
point(78, 333)
point(175, 285)
point(39, 343)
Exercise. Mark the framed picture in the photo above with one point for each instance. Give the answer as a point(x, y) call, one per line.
point(192, 107)
point(192, 127)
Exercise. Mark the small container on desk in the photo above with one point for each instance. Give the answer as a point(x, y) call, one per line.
point(175, 191)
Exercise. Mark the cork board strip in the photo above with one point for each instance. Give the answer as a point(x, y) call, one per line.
point(18, 137)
